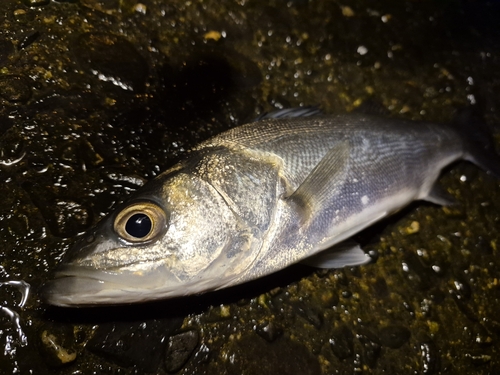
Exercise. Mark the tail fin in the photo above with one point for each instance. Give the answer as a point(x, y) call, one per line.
point(478, 140)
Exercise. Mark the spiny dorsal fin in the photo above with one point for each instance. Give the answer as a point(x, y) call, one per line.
point(290, 113)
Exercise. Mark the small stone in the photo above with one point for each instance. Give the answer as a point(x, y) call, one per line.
point(269, 331)
point(347, 11)
point(66, 218)
point(478, 359)
point(371, 347)
point(430, 360)
point(14, 89)
point(342, 342)
point(64, 355)
point(27, 39)
point(394, 336)
point(5, 124)
point(6, 52)
point(252, 355)
point(36, 3)
point(313, 316)
point(112, 59)
point(56, 343)
point(134, 344)
point(213, 35)
point(179, 350)
point(413, 228)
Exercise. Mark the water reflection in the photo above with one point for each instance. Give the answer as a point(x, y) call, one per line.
point(21, 339)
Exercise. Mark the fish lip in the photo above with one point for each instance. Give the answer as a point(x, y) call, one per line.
point(66, 271)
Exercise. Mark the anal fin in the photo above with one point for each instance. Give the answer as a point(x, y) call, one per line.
point(347, 253)
point(438, 196)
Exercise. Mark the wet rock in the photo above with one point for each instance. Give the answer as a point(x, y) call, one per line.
point(139, 344)
point(342, 342)
point(112, 59)
point(380, 289)
point(14, 89)
point(102, 5)
point(6, 52)
point(269, 331)
point(418, 275)
point(482, 337)
point(5, 124)
point(309, 313)
point(253, 355)
point(67, 218)
point(429, 357)
point(464, 307)
point(121, 178)
point(71, 217)
point(371, 346)
point(27, 39)
point(64, 217)
point(462, 289)
point(478, 358)
point(75, 104)
point(56, 342)
point(179, 350)
point(394, 336)
point(36, 3)
point(203, 82)
point(244, 72)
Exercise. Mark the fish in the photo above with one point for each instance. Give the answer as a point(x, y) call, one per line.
point(293, 186)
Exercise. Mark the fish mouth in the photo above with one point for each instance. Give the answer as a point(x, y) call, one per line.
point(78, 286)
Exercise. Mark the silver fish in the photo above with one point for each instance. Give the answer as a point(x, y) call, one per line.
point(256, 199)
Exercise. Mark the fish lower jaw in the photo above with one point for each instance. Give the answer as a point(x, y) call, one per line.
point(75, 286)
point(80, 291)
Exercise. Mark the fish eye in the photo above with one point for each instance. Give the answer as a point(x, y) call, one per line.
point(138, 225)
point(141, 222)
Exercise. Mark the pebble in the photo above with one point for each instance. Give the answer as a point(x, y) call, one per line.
point(342, 342)
point(14, 89)
point(430, 361)
point(253, 355)
point(179, 349)
point(112, 59)
point(56, 342)
point(394, 336)
point(6, 52)
point(371, 346)
point(269, 331)
point(36, 3)
point(134, 344)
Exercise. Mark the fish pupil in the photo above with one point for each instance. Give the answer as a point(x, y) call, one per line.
point(138, 225)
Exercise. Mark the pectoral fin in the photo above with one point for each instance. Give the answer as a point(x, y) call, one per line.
point(323, 181)
point(347, 253)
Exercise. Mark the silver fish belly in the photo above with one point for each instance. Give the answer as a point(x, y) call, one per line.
point(254, 200)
